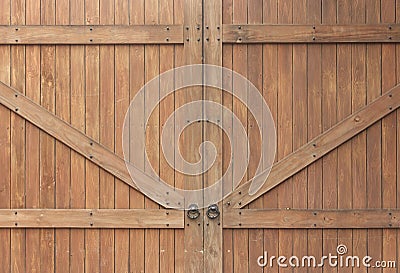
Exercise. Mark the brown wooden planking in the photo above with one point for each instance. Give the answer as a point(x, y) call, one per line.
point(270, 92)
point(91, 218)
point(253, 33)
point(322, 144)
point(255, 15)
point(359, 142)
point(389, 132)
point(239, 65)
point(92, 113)
point(136, 80)
point(47, 143)
point(63, 153)
point(300, 128)
point(344, 10)
point(329, 118)
point(312, 219)
point(167, 236)
point(93, 34)
point(70, 136)
point(18, 179)
point(373, 141)
point(78, 179)
point(32, 140)
point(193, 260)
point(227, 59)
point(152, 135)
point(122, 85)
point(107, 129)
point(5, 146)
point(213, 234)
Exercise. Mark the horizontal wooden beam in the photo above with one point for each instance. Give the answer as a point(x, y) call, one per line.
point(82, 144)
point(319, 146)
point(76, 35)
point(382, 33)
point(295, 218)
point(91, 218)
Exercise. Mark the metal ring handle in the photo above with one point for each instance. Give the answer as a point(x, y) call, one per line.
point(213, 211)
point(193, 211)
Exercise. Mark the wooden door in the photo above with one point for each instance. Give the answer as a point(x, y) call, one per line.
point(69, 70)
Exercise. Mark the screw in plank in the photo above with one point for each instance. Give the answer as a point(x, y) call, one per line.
point(187, 28)
point(313, 38)
point(91, 224)
point(239, 27)
point(187, 224)
point(390, 95)
point(229, 203)
point(198, 39)
point(198, 224)
point(16, 109)
point(390, 107)
point(390, 26)
point(240, 203)
point(206, 27)
point(16, 29)
point(219, 223)
point(207, 39)
point(315, 225)
point(16, 41)
point(390, 225)
point(218, 39)
point(198, 27)
point(167, 213)
point(240, 224)
point(315, 213)
point(357, 119)
point(167, 225)
point(240, 39)
point(240, 192)
point(91, 143)
point(16, 213)
point(91, 213)
point(218, 27)
point(16, 95)
point(16, 224)
point(90, 156)
point(167, 28)
point(187, 39)
point(240, 213)
point(314, 145)
point(390, 38)
point(314, 155)
point(313, 27)
point(91, 40)
point(91, 29)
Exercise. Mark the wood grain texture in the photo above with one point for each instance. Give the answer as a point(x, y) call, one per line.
point(93, 34)
point(256, 33)
point(322, 144)
point(91, 218)
point(311, 219)
point(68, 135)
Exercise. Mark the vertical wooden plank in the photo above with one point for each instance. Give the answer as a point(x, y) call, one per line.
point(194, 232)
point(343, 110)
point(227, 61)
point(314, 128)
point(240, 236)
point(179, 60)
point(389, 184)
point(300, 125)
point(17, 142)
point(32, 140)
point(270, 93)
point(152, 141)
point(329, 162)
point(284, 123)
point(47, 143)
point(167, 236)
point(359, 141)
point(107, 131)
point(121, 105)
point(92, 70)
point(63, 153)
point(5, 145)
point(78, 180)
point(212, 48)
point(137, 244)
point(373, 141)
point(255, 15)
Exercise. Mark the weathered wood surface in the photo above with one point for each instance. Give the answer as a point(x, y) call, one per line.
point(93, 34)
point(313, 219)
point(91, 218)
